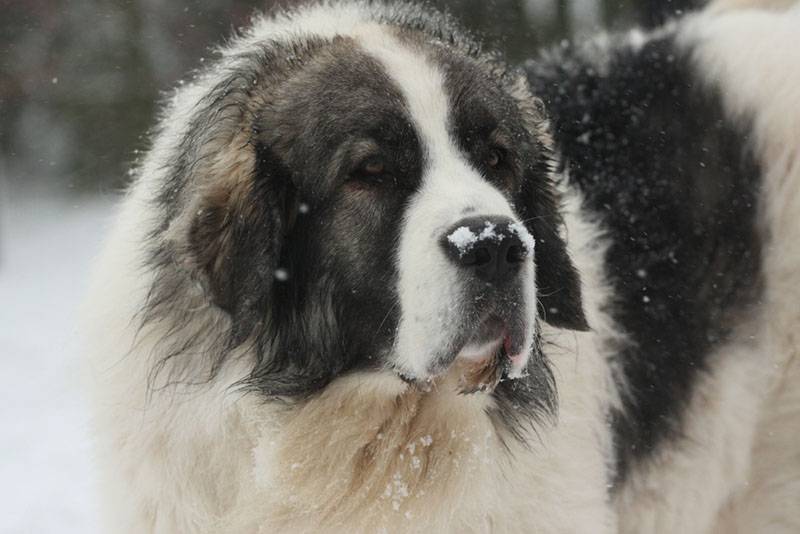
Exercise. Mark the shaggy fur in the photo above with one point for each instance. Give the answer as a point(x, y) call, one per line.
point(279, 341)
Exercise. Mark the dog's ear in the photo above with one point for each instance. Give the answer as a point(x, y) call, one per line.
point(558, 283)
point(236, 233)
point(557, 280)
point(228, 196)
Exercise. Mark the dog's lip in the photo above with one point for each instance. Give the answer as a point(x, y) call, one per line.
point(482, 366)
point(497, 349)
point(490, 334)
point(479, 351)
point(495, 346)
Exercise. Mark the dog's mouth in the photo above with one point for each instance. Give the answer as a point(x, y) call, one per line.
point(496, 350)
point(481, 357)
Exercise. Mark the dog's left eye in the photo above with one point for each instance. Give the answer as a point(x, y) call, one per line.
point(369, 169)
point(494, 158)
point(373, 167)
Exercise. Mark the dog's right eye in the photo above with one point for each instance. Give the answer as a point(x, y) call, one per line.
point(494, 158)
point(371, 170)
point(373, 167)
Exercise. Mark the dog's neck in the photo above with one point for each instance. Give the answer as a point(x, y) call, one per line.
point(372, 442)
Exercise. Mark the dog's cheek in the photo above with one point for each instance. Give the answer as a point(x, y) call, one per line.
point(362, 233)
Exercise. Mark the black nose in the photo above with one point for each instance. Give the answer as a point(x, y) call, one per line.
point(492, 248)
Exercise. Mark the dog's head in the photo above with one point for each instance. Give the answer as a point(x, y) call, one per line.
point(361, 188)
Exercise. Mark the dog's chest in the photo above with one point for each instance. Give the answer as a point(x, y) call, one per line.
point(360, 458)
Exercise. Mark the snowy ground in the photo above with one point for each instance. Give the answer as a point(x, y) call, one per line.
point(46, 245)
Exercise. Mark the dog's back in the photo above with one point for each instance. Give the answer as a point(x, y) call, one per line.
point(686, 146)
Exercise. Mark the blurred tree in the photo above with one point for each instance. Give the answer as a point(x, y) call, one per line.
point(655, 12)
point(504, 24)
point(85, 76)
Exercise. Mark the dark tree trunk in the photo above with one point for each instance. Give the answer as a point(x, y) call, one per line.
point(656, 12)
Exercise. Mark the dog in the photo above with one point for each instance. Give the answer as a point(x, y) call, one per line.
point(371, 278)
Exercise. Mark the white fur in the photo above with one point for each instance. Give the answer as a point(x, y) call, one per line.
point(738, 468)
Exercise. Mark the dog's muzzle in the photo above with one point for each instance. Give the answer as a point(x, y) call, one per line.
point(489, 253)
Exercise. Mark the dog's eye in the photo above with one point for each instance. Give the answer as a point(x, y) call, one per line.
point(373, 167)
point(494, 158)
point(372, 170)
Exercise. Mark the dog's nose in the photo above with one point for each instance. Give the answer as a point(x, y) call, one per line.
point(493, 248)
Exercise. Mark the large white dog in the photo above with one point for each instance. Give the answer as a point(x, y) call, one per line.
point(369, 278)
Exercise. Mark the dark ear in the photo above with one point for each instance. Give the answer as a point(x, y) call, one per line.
point(558, 284)
point(237, 231)
point(557, 281)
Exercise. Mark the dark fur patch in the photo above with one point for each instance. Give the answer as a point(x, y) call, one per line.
point(337, 311)
point(234, 215)
point(675, 186)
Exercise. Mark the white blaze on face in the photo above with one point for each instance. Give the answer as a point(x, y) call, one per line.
point(430, 286)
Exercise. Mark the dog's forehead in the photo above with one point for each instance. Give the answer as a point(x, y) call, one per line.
point(441, 86)
point(418, 79)
point(336, 83)
point(381, 65)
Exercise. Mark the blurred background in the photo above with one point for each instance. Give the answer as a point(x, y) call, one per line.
point(79, 84)
point(81, 78)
